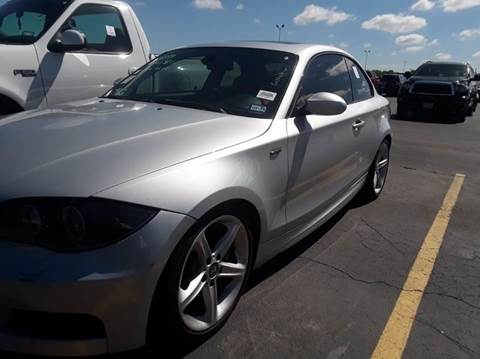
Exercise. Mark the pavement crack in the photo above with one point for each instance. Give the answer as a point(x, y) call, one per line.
point(364, 281)
point(459, 344)
point(387, 284)
point(445, 295)
point(382, 236)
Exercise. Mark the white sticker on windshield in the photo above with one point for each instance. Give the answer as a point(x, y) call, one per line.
point(266, 95)
point(355, 70)
point(258, 108)
point(111, 31)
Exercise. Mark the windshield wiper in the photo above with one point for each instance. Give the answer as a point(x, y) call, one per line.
point(196, 105)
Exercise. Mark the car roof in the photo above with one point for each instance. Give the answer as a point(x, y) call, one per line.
point(292, 47)
point(445, 63)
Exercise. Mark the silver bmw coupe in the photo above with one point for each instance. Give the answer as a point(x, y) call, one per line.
point(149, 207)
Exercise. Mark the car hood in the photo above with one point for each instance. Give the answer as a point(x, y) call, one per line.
point(83, 148)
point(435, 79)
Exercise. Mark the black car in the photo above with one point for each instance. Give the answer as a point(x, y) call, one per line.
point(390, 84)
point(443, 87)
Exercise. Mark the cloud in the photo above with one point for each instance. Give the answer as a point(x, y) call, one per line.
point(443, 56)
point(344, 45)
point(468, 34)
point(457, 5)
point(476, 55)
point(434, 43)
point(257, 21)
point(410, 40)
point(240, 6)
point(414, 48)
point(423, 5)
point(395, 24)
point(313, 13)
point(208, 4)
point(367, 45)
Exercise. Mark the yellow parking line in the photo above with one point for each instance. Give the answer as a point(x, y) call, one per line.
point(397, 331)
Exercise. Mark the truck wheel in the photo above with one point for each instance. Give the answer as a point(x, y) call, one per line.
point(401, 113)
point(8, 106)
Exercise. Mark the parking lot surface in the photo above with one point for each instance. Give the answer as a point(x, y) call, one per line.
point(332, 295)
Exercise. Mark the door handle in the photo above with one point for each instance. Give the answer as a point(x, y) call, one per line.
point(359, 124)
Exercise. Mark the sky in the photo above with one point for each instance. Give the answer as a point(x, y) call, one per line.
point(397, 33)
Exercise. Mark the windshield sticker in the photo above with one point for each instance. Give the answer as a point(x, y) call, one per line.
point(111, 31)
point(267, 95)
point(258, 108)
point(355, 70)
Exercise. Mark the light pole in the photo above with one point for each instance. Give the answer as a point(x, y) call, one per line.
point(280, 28)
point(367, 52)
point(404, 65)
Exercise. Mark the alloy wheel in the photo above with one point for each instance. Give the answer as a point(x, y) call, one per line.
point(381, 168)
point(213, 273)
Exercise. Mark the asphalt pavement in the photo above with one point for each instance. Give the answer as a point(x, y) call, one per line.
point(332, 295)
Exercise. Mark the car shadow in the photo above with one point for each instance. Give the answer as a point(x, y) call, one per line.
point(172, 350)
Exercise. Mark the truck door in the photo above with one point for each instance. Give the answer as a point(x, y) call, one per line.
point(110, 52)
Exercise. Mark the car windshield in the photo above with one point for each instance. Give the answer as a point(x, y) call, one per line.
point(25, 21)
point(442, 70)
point(239, 81)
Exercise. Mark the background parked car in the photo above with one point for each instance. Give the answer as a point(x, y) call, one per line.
point(390, 84)
point(443, 87)
point(54, 51)
point(374, 78)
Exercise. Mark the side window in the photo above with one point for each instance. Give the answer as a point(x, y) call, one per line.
point(361, 86)
point(327, 73)
point(103, 28)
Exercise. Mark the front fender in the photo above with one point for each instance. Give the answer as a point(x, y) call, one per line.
point(245, 172)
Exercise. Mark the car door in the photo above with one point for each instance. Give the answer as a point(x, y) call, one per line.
point(19, 78)
point(323, 150)
point(366, 114)
point(91, 71)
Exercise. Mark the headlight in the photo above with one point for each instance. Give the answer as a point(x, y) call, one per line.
point(405, 87)
point(460, 87)
point(71, 224)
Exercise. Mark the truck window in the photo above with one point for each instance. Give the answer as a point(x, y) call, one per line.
point(103, 28)
point(25, 21)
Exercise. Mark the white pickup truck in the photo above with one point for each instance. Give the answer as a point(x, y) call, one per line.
point(55, 51)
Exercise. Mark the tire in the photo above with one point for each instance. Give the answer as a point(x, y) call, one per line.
point(375, 181)
point(8, 106)
point(180, 312)
point(401, 113)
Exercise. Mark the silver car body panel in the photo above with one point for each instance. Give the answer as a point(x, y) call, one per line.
point(296, 172)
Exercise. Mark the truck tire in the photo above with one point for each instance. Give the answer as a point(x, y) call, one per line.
point(8, 106)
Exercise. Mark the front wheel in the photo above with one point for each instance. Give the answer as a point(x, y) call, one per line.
point(204, 279)
point(377, 174)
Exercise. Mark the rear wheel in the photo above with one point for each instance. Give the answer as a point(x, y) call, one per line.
point(377, 175)
point(203, 280)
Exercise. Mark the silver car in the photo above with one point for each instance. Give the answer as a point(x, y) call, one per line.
point(143, 212)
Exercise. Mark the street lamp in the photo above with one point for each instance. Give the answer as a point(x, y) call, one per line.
point(280, 28)
point(367, 52)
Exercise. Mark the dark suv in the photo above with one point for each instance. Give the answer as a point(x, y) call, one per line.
point(443, 87)
point(391, 83)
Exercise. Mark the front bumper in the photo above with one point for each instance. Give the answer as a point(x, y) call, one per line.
point(444, 104)
point(108, 291)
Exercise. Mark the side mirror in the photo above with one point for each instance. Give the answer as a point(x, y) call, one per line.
point(325, 104)
point(117, 82)
point(67, 41)
point(476, 77)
